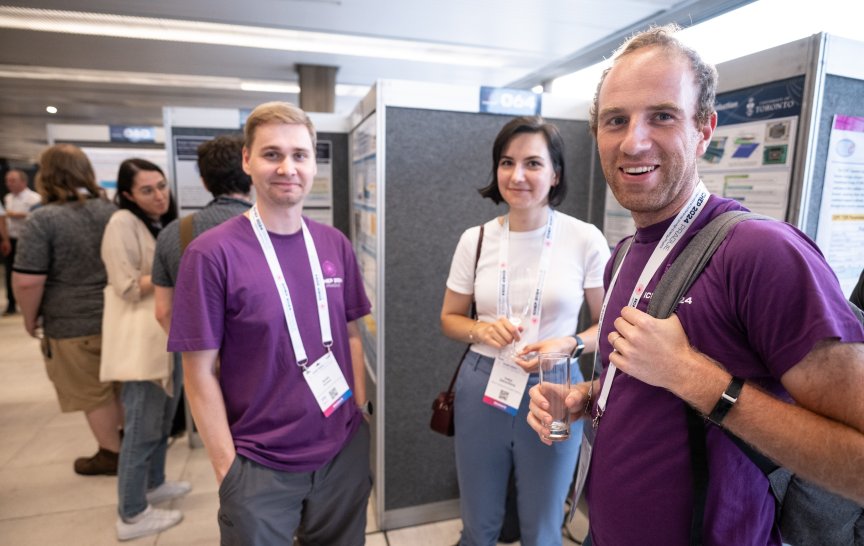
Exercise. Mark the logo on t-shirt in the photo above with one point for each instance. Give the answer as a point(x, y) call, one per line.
point(330, 271)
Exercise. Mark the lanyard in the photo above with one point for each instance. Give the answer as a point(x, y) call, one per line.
point(504, 274)
point(674, 233)
point(279, 279)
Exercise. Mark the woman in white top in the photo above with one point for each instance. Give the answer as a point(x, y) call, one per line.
point(492, 435)
point(134, 349)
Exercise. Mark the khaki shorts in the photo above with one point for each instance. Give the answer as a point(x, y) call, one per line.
point(73, 366)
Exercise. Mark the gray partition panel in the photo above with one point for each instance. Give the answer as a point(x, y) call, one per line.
point(840, 96)
point(435, 162)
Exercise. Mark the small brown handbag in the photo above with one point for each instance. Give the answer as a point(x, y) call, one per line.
point(442, 408)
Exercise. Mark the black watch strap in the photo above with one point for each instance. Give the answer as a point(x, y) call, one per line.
point(726, 401)
point(577, 350)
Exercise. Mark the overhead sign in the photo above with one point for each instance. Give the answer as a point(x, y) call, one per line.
point(127, 133)
point(514, 102)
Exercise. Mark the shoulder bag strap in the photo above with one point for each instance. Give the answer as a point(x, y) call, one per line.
point(473, 310)
point(187, 232)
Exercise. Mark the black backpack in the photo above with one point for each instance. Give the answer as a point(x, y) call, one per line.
point(806, 514)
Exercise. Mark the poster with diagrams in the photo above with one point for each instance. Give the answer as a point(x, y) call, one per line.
point(841, 215)
point(752, 150)
point(364, 197)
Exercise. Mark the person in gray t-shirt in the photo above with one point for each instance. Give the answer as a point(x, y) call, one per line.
point(220, 163)
point(59, 278)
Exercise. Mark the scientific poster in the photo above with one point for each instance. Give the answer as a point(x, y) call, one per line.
point(752, 151)
point(364, 229)
point(840, 234)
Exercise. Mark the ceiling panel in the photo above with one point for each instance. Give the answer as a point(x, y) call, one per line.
point(535, 39)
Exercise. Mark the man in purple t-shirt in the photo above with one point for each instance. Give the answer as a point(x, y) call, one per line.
point(265, 313)
point(763, 343)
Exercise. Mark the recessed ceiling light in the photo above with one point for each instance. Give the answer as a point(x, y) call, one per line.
point(537, 89)
point(51, 109)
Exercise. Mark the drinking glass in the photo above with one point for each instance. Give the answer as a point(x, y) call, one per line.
point(554, 386)
point(521, 285)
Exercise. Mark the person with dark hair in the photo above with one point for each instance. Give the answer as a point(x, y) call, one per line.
point(762, 346)
point(133, 350)
point(58, 280)
point(565, 258)
point(220, 164)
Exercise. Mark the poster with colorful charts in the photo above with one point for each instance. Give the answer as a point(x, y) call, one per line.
point(364, 229)
point(751, 152)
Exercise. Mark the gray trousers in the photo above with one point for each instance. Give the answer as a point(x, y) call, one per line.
point(259, 506)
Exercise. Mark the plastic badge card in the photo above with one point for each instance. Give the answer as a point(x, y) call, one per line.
point(506, 386)
point(327, 383)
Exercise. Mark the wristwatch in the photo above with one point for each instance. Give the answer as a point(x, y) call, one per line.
point(366, 408)
point(580, 346)
point(726, 401)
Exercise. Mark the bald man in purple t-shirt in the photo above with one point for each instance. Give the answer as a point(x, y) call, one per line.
point(265, 313)
point(763, 343)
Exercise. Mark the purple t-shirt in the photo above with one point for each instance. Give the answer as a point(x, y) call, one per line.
point(226, 299)
point(765, 299)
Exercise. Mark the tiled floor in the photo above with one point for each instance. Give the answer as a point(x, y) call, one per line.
point(43, 502)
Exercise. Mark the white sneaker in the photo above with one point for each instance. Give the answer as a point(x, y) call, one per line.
point(149, 522)
point(168, 491)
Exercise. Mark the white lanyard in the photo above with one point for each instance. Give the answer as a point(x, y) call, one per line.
point(674, 233)
point(504, 273)
point(287, 306)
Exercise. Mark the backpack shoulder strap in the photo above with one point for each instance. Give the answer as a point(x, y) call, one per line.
point(674, 283)
point(689, 264)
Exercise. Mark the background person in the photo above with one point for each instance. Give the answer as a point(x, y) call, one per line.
point(133, 350)
point(528, 175)
point(220, 164)
point(58, 280)
point(766, 315)
point(5, 245)
point(18, 203)
point(284, 468)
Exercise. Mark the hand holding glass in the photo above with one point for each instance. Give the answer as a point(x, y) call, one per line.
point(520, 287)
point(555, 386)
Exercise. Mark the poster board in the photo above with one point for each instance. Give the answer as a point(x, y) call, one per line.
point(841, 216)
point(752, 151)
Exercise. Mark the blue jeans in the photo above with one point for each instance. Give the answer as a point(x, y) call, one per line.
point(489, 442)
point(149, 413)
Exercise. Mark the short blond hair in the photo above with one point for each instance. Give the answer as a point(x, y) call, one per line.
point(280, 112)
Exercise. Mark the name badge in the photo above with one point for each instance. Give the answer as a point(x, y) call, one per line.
point(328, 384)
point(506, 386)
